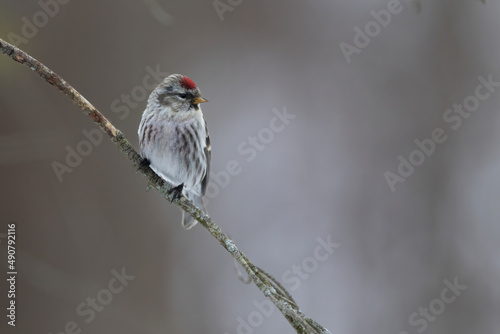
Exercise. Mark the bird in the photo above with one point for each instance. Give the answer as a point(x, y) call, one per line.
point(174, 140)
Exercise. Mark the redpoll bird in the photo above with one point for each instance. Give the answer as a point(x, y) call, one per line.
point(174, 141)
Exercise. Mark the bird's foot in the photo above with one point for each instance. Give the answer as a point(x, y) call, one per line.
point(144, 164)
point(176, 192)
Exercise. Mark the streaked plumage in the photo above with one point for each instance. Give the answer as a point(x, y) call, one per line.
point(173, 137)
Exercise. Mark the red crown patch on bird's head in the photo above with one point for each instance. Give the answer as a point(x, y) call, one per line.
point(187, 83)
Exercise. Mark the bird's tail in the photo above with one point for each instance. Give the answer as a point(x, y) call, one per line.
point(189, 222)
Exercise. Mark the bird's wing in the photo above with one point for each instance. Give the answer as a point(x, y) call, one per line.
point(208, 155)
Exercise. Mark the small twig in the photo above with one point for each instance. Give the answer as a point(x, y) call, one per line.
point(239, 273)
point(277, 285)
point(274, 291)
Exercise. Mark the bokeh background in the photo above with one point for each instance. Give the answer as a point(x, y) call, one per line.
point(322, 176)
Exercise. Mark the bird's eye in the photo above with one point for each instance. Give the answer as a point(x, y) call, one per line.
point(182, 95)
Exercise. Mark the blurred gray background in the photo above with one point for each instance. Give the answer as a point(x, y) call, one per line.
point(320, 176)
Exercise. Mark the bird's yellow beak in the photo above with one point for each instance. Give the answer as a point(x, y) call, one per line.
point(198, 100)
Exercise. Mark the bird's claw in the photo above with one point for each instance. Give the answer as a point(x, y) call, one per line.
point(176, 192)
point(143, 165)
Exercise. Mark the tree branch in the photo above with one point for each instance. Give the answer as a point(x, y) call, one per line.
point(266, 283)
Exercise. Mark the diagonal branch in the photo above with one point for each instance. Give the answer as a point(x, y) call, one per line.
point(266, 283)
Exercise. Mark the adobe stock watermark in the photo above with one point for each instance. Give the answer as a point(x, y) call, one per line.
point(454, 117)
point(121, 106)
point(223, 6)
point(74, 156)
point(248, 149)
point(139, 93)
point(30, 27)
point(424, 315)
point(160, 14)
point(292, 279)
point(371, 29)
point(88, 309)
